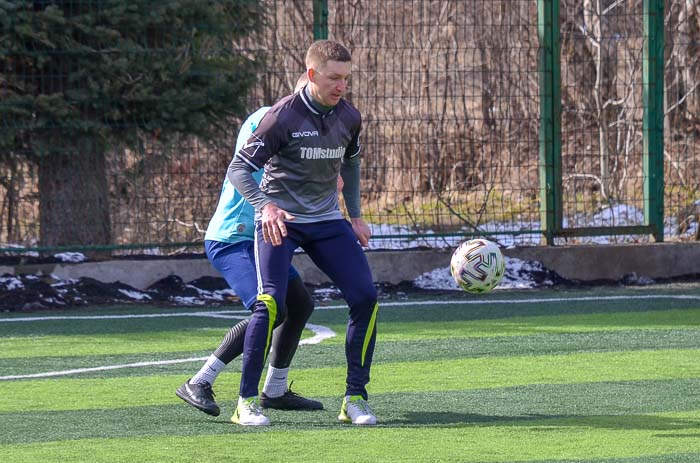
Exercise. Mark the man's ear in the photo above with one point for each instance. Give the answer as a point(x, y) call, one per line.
point(311, 74)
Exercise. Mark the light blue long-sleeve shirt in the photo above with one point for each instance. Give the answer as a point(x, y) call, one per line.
point(233, 220)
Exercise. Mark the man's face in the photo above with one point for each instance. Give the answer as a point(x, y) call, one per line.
point(330, 82)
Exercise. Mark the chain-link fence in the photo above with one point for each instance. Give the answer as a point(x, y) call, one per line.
point(451, 95)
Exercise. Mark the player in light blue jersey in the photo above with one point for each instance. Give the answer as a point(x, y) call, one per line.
point(229, 244)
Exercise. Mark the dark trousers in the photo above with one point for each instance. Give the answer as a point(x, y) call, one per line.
point(333, 247)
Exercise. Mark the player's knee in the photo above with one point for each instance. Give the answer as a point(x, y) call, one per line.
point(364, 298)
point(275, 309)
point(281, 315)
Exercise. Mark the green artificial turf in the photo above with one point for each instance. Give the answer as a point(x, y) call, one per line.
point(541, 377)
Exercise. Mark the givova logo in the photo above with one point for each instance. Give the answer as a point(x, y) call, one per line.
point(306, 133)
point(322, 153)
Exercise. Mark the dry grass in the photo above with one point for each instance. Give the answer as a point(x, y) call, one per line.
point(451, 118)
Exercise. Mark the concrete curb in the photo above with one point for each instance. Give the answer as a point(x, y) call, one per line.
point(612, 262)
point(583, 262)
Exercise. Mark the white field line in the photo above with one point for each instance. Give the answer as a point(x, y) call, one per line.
point(218, 314)
point(244, 313)
point(102, 368)
point(321, 332)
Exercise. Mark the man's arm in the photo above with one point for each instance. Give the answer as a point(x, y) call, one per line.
point(240, 174)
point(350, 172)
point(241, 168)
point(252, 156)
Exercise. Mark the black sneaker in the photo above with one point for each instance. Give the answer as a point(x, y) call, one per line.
point(289, 401)
point(200, 396)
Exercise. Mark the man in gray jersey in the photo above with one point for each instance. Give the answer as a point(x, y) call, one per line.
point(303, 143)
point(229, 243)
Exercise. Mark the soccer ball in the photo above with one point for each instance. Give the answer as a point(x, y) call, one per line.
point(477, 266)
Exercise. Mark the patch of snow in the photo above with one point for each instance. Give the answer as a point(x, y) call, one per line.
point(502, 233)
point(22, 253)
point(9, 283)
point(440, 278)
point(61, 282)
point(637, 280)
point(326, 294)
point(520, 274)
point(187, 300)
point(136, 295)
point(74, 257)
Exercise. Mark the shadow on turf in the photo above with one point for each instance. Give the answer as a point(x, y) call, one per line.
point(645, 422)
point(26, 427)
point(324, 419)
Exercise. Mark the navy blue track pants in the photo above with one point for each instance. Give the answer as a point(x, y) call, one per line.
point(333, 247)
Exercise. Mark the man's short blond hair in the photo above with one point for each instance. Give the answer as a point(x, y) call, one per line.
point(322, 51)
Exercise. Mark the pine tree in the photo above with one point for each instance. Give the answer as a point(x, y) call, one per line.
point(78, 78)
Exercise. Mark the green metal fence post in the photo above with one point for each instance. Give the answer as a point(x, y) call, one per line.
point(653, 85)
point(320, 19)
point(550, 118)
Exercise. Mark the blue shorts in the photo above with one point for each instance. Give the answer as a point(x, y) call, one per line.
point(236, 263)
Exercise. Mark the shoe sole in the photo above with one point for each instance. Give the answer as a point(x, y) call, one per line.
point(346, 419)
point(208, 411)
point(289, 407)
point(234, 420)
point(279, 403)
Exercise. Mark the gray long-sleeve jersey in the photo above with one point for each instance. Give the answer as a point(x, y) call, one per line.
point(302, 151)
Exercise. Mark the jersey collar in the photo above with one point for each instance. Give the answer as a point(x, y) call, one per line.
point(313, 106)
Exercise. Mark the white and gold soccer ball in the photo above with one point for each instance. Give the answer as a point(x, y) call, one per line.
point(477, 266)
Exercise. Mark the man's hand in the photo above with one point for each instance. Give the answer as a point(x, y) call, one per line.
point(272, 222)
point(361, 230)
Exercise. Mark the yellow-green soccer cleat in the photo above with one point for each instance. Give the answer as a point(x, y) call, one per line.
point(249, 413)
point(356, 410)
